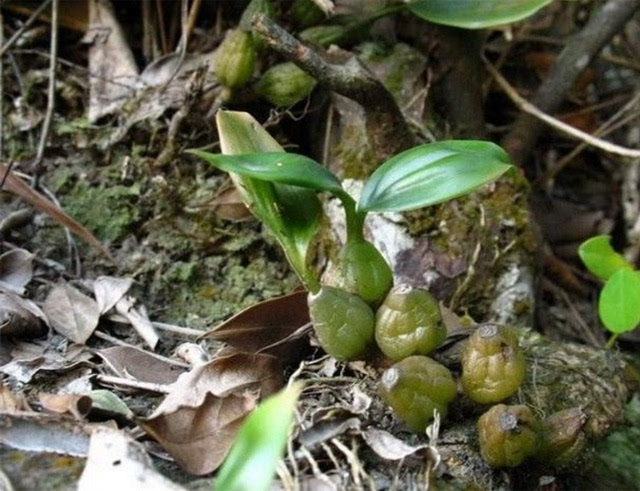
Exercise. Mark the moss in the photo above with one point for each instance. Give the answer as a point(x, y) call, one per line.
point(109, 212)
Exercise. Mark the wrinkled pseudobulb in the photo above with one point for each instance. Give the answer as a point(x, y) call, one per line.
point(415, 387)
point(507, 435)
point(493, 367)
point(409, 323)
point(235, 59)
point(343, 322)
point(562, 437)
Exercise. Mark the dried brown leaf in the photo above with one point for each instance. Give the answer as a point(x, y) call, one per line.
point(16, 270)
point(200, 437)
point(276, 326)
point(139, 320)
point(108, 290)
point(140, 365)
point(117, 459)
point(388, 446)
point(17, 186)
point(229, 205)
point(71, 313)
point(111, 61)
point(74, 404)
point(198, 420)
point(20, 317)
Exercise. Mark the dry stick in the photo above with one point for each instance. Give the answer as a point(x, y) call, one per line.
point(387, 129)
point(1, 89)
point(573, 59)
point(568, 130)
point(134, 384)
point(24, 27)
point(51, 96)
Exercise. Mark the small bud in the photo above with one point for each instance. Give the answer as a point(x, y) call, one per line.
point(342, 321)
point(493, 367)
point(507, 435)
point(415, 387)
point(235, 59)
point(285, 84)
point(323, 35)
point(306, 13)
point(409, 323)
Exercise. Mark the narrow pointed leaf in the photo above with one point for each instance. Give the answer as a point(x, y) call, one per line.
point(476, 14)
point(619, 304)
point(280, 167)
point(292, 213)
point(600, 258)
point(259, 445)
point(432, 173)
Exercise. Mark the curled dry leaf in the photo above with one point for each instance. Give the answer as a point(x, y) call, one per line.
point(137, 364)
point(192, 353)
point(327, 429)
point(10, 402)
point(138, 318)
point(388, 446)
point(108, 290)
point(197, 421)
point(16, 270)
point(120, 461)
point(40, 432)
point(229, 205)
point(72, 313)
point(276, 326)
point(20, 317)
point(76, 405)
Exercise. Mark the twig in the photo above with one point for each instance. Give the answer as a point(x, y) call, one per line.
point(1, 89)
point(134, 384)
point(51, 96)
point(183, 331)
point(568, 130)
point(387, 129)
point(573, 59)
point(193, 16)
point(25, 26)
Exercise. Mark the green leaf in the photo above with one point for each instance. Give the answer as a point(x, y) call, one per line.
point(432, 173)
point(259, 445)
point(600, 258)
point(292, 213)
point(280, 167)
point(619, 304)
point(475, 14)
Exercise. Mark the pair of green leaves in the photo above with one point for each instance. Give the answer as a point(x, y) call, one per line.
point(475, 14)
point(619, 304)
point(280, 188)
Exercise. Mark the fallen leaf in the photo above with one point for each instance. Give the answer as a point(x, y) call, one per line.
point(71, 313)
point(17, 186)
point(140, 365)
point(40, 432)
point(197, 421)
point(76, 405)
point(139, 321)
point(16, 270)
point(108, 290)
point(20, 317)
point(229, 205)
point(111, 62)
point(117, 461)
point(276, 326)
point(388, 446)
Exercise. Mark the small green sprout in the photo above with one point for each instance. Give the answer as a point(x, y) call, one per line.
point(619, 303)
point(281, 190)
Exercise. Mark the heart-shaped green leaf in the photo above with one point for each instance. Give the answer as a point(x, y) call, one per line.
point(280, 167)
point(619, 305)
point(600, 258)
point(432, 173)
point(292, 213)
point(475, 14)
point(258, 447)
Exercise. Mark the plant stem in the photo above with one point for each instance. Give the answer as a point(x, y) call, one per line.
point(354, 218)
point(612, 341)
